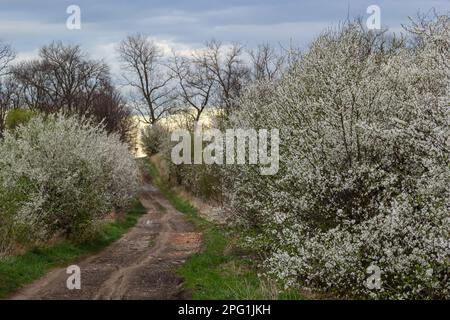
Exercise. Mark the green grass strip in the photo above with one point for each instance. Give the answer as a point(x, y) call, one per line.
point(17, 271)
point(218, 271)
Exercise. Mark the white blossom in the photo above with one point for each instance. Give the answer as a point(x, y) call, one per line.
point(61, 175)
point(364, 165)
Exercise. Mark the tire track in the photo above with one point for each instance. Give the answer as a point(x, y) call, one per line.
point(140, 265)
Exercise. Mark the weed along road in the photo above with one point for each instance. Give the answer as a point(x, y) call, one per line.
point(140, 265)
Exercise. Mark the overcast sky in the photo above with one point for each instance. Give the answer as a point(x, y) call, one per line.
point(186, 24)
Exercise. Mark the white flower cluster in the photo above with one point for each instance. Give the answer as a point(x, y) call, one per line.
point(364, 173)
point(60, 175)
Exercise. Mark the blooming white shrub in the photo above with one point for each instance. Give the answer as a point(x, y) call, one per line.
point(60, 175)
point(364, 165)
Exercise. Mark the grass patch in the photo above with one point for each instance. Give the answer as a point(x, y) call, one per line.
point(221, 270)
point(18, 271)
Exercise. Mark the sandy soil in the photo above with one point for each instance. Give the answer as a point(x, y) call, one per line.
point(140, 265)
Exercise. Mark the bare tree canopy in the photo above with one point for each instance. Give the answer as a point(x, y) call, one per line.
point(9, 99)
point(62, 78)
point(227, 67)
point(215, 75)
point(8, 96)
point(146, 73)
point(266, 62)
point(197, 85)
point(6, 56)
point(110, 108)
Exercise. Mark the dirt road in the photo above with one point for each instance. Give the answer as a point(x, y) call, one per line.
point(141, 265)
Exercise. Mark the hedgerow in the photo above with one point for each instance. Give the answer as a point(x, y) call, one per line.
point(58, 177)
point(364, 165)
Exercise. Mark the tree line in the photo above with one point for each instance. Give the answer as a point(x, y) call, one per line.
point(63, 78)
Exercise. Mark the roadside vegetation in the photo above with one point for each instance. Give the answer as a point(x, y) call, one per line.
point(364, 165)
point(62, 179)
point(364, 156)
point(222, 270)
point(363, 181)
point(20, 270)
point(59, 177)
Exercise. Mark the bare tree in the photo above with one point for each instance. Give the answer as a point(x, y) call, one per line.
point(110, 108)
point(8, 89)
point(30, 76)
point(6, 56)
point(267, 63)
point(146, 73)
point(9, 99)
point(227, 67)
point(61, 79)
point(216, 74)
point(197, 85)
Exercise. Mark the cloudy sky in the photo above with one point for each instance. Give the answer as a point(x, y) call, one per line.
point(186, 24)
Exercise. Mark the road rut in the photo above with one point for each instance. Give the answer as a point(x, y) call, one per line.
point(140, 265)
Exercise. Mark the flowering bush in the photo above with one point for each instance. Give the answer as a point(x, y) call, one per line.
point(58, 176)
point(364, 174)
point(153, 138)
